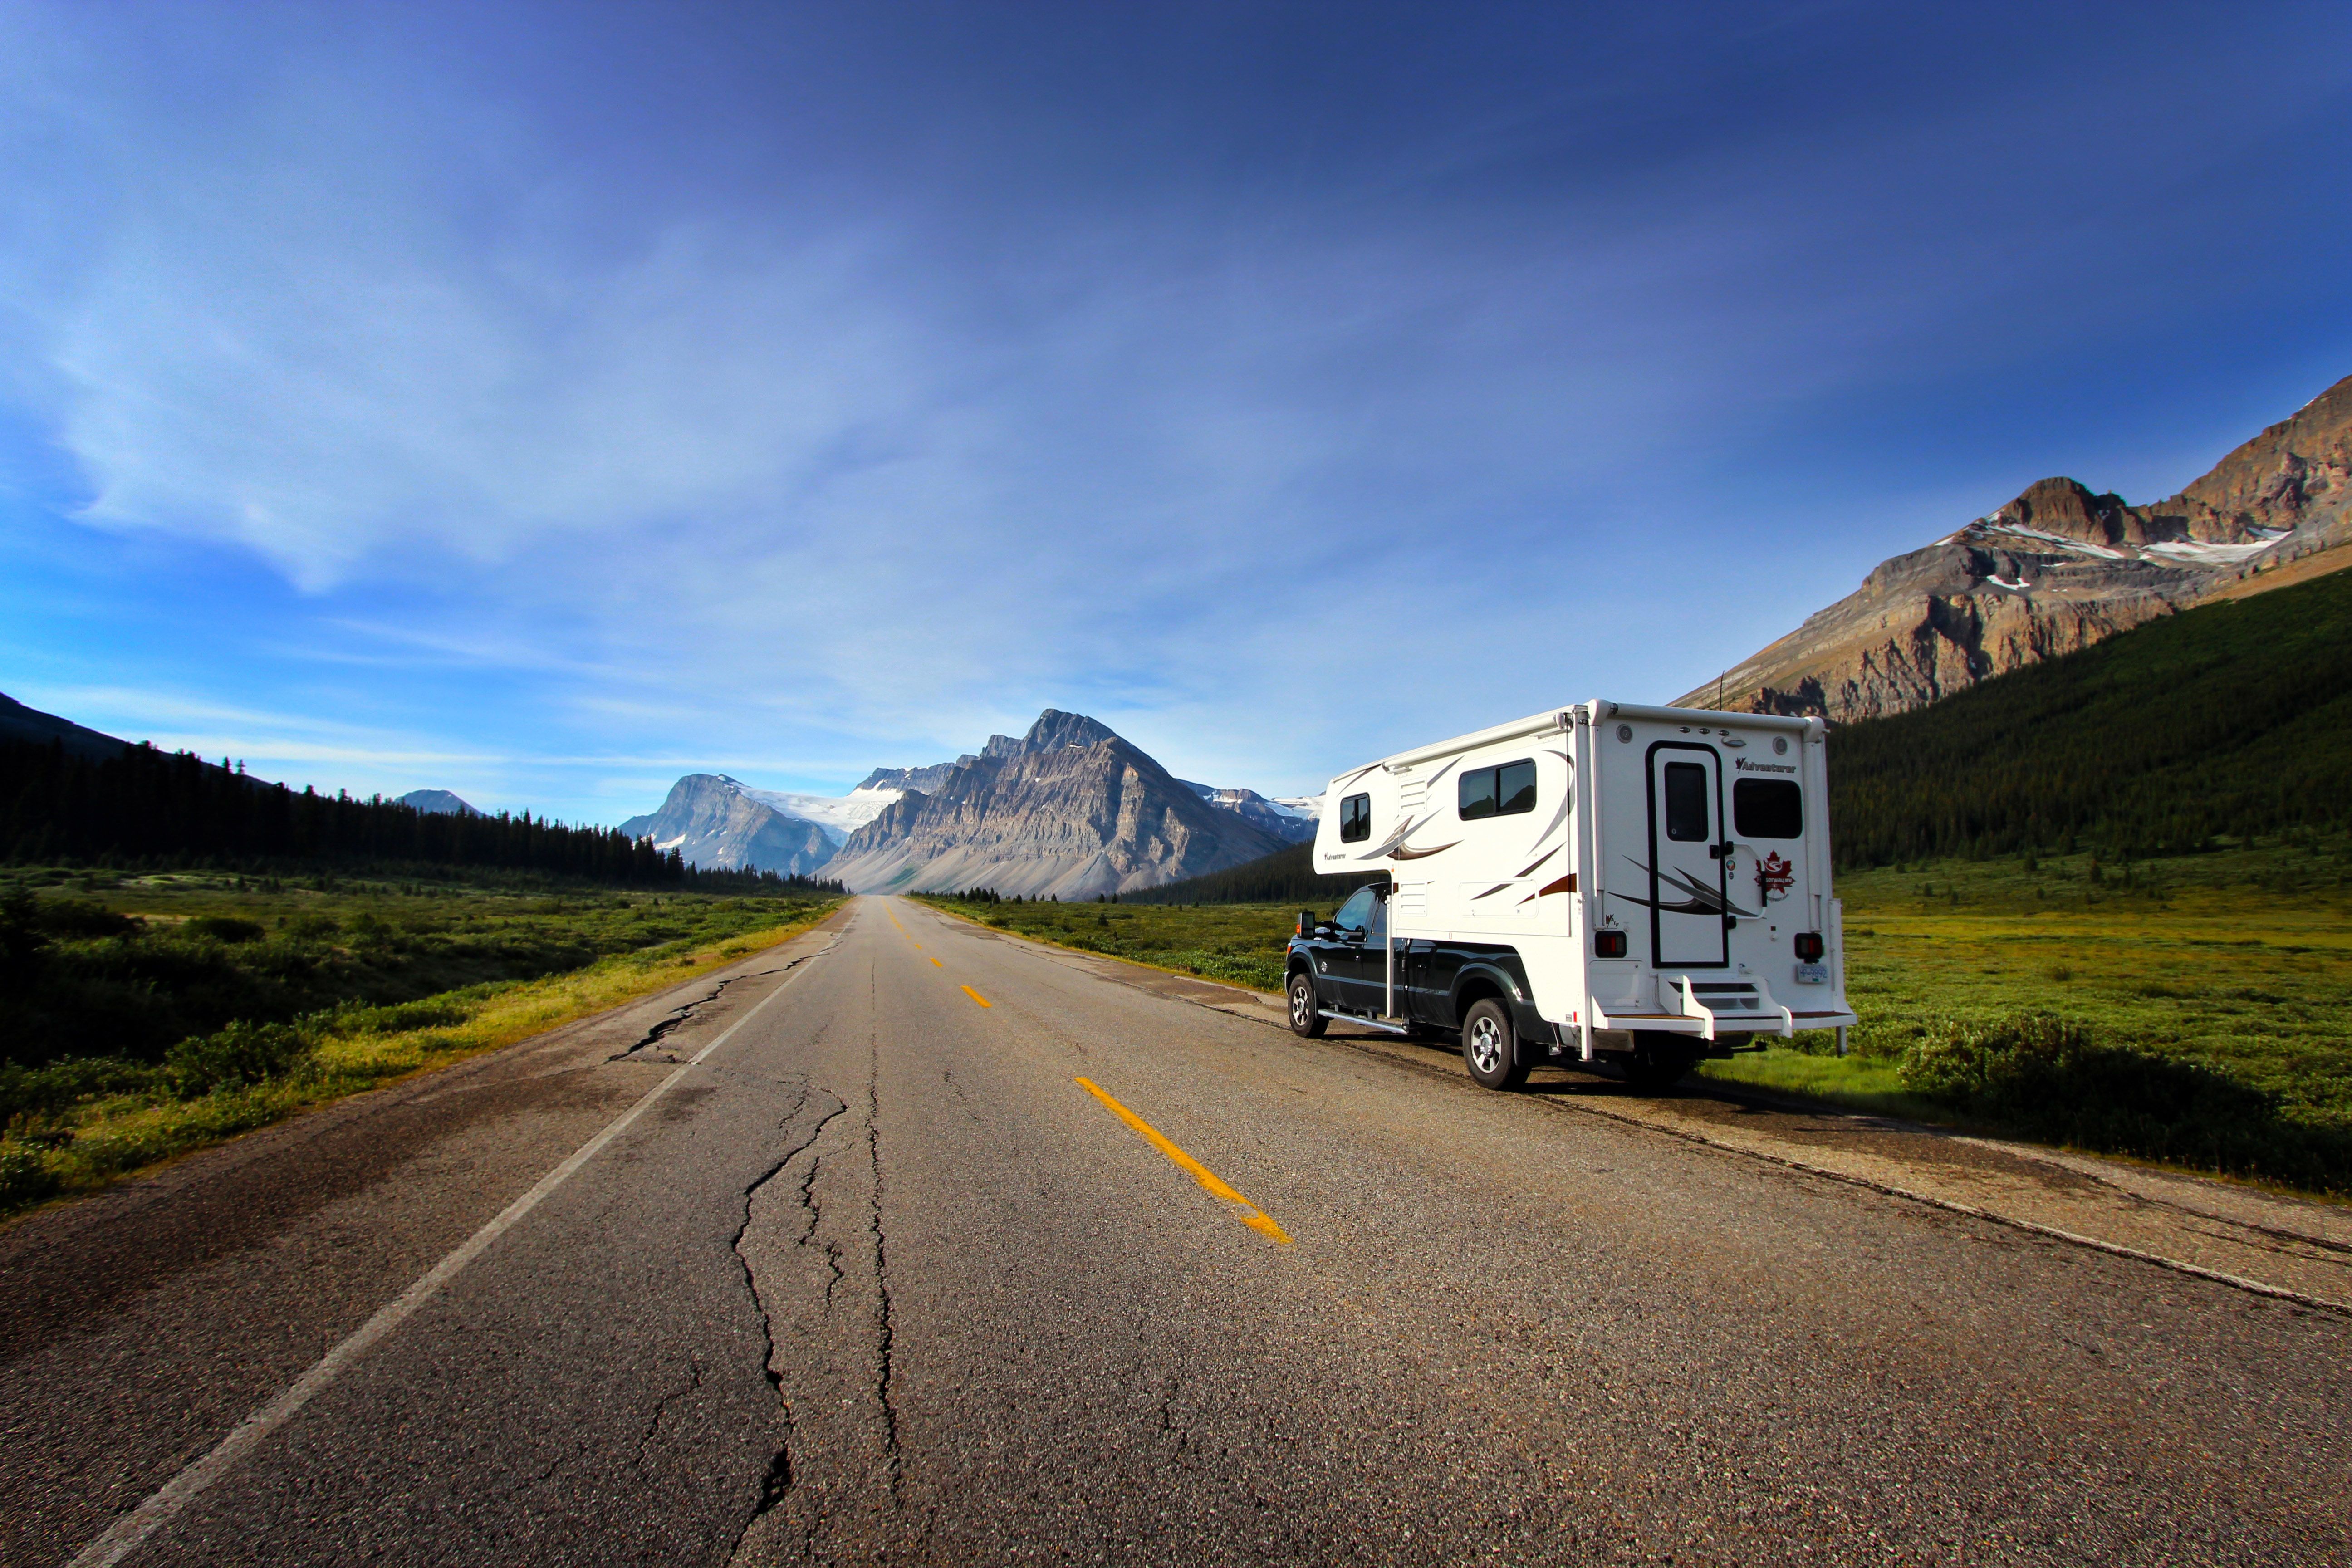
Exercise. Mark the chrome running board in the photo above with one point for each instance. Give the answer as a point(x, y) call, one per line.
point(1338, 1017)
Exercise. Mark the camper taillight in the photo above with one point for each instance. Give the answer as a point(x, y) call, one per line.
point(1608, 944)
point(1808, 947)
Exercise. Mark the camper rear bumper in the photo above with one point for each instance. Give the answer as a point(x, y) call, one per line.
point(1709, 1028)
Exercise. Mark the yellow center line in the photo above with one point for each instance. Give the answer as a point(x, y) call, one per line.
point(971, 993)
point(1251, 1216)
point(936, 962)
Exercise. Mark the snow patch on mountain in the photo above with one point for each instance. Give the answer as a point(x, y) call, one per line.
point(836, 817)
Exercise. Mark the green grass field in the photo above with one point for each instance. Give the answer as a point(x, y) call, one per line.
point(1239, 944)
point(2237, 962)
point(144, 1017)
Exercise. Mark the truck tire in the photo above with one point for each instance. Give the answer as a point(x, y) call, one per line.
point(1659, 1062)
point(1490, 1047)
point(1307, 1019)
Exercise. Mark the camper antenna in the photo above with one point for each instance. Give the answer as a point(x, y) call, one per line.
point(1718, 690)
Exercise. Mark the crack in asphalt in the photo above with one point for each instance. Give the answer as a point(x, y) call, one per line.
point(886, 1363)
point(661, 1408)
point(679, 1016)
point(778, 1480)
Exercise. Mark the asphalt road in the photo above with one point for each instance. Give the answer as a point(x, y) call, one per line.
point(880, 1279)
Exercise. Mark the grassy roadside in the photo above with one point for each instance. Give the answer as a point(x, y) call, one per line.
point(1239, 944)
point(76, 1123)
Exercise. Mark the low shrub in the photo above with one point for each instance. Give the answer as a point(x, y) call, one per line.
point(24, 1178)
point(81, 919)
point(2052, 1078)
point(230, 929)
point(44, 1093)
point(238, 1055)
point(399, 1017)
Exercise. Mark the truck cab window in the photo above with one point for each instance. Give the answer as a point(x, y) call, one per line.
point(1686, 803)
point(1768, 808)
point(1504, 791)
point(1355, 914)
point(1355, 819)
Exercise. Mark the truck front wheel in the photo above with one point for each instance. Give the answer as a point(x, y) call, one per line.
point(1306, 1018)
point(1490, 1046)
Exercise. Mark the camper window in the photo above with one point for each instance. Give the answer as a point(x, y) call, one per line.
point(1506, 791)
point(1515, 788)
point(1477, 796)
point(1355, 819)
point(1685, 803)
point(1768, 808)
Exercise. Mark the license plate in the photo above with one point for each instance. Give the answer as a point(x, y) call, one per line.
point(1812, 974)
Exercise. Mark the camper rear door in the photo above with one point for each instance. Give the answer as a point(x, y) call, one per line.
point(1687, 878)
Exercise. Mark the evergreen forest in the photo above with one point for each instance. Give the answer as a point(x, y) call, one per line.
point(146, 807)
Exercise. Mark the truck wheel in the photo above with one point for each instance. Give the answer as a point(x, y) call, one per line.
point(1490, 1047)
point(1306, 1018)
point(1659, 1062)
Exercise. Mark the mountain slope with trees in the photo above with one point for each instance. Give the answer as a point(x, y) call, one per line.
point(2231, 720)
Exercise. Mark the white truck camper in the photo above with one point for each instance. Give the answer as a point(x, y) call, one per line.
point(1646, 886)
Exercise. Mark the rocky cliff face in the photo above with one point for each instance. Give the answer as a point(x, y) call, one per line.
point(711, 821)
point(1068, 810)
point(2060, 568)
point(925, 779)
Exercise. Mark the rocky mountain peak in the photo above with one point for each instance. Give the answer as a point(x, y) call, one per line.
point(2068, 509)
point(2059, 568)
point(1070, 809)
point(711, 821)
point(1055, 730)
point(2295, 468)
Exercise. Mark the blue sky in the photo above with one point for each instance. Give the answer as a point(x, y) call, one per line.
point(543, 402)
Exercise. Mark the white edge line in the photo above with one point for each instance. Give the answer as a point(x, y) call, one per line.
point(126, 1533)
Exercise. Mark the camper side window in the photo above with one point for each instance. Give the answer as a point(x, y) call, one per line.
point(1685, 802)
point(1506, 791)
point(1768, 808)
point(1355, 819)
point(1515, 788)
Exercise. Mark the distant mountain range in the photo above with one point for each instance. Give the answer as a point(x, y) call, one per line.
point(2061, 568)
point(1070, 809)
point(439, 802)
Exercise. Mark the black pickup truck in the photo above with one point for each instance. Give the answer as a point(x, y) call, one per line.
point(1339, 968)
